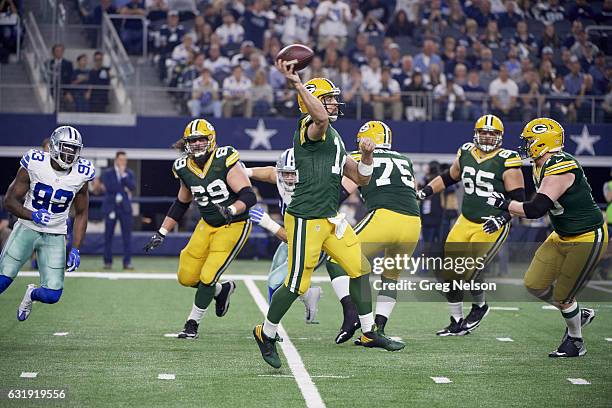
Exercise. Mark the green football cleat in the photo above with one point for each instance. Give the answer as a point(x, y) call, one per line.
point(377, 338)
point(267, 346)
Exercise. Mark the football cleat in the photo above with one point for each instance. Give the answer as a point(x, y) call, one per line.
point(311, 302)
point(586, 317)
point(475, 317)
point(25, 307)
point(455, 328)
point(267, 346)
point(222, 300)
point(376, 338)
point(350, 323)
point(190, 331)
point(570, 347)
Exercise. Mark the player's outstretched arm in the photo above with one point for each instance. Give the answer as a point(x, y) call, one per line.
point(261, 218)
point(315, 108)
point(438, 184)
point(13, 200)
point(361, 172)
point(174, 215)
point(266, 174)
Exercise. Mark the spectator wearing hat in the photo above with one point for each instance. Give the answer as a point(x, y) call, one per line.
point(449, 101)
point(386, 97)
point(504, 93)
point(236, 94)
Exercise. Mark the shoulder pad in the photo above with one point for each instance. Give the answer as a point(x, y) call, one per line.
point(559, 163)
point(467, 146)
point(178, 164)
point(86, 169)
point(511, 158)
point(32, 156)
point(229, 154)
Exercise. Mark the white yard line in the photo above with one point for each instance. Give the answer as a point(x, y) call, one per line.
point(441, 380)
point(60, 334)
point(508, 308)
point(165, 376)
point(302, 378)
point(506, 339)
point(578, 381)
point(28, 375)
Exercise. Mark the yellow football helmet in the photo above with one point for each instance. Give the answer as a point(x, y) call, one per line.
point(321, 87)
point(198, 129)
point(376, 131)
point(491, 127)
point(540, 136)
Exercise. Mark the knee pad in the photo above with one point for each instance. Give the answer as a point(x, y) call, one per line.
point(5, 282)
point(45, 295)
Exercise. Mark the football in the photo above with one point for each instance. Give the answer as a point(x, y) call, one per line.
point(301, 53)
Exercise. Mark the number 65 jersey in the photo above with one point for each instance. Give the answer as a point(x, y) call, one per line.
point(53, 190)
point(481, 174)
point(209, 185)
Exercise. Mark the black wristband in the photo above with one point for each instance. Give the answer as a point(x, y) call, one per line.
point(537, 207)
point(447, 179)
point(177, 210)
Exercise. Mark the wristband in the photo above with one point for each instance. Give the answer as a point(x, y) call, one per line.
point(269, 224)
point(365, 170)
point(232, 209)
point(162, 231)
point(249, 172)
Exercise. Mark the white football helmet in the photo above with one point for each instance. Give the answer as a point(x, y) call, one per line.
point(65, 146)
point(285, 170)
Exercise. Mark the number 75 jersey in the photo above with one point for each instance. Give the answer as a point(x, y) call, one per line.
point(481, 174)
point(53, 190)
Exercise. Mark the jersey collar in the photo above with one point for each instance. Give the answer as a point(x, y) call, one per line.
point(481, 157)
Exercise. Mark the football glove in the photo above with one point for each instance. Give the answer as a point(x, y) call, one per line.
point(74, 260)
point(425, 192)
point(494, 224)
point(225, 212)
point(498, 200)
point(41, 217)
point(155, 241)
point(257, 214)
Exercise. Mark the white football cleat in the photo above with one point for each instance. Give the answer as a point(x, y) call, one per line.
point(311, 302)
point(25, 307)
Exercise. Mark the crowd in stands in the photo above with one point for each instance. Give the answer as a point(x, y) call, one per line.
point(9, 27)
point(395, 59)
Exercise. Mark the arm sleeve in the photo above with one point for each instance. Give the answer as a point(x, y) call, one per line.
point(537, 207)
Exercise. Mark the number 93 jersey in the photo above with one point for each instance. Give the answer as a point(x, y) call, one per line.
point(209, 185)
point(53, 190)
point(481, 174)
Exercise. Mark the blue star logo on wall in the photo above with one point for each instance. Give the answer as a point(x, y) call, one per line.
point(260, 136)
point(585, 141)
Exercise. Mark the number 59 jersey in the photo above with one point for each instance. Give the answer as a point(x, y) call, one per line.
point(209, 185)
point(53, 190)
point(482, 174)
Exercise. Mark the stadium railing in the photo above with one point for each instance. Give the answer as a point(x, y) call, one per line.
point(121, 19)
point(35, 56)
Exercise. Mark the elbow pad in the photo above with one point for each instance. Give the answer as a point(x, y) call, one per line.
point(247, 196)
point(517, 194)
point(447, 179)
point(177, 210)
point(537, 207)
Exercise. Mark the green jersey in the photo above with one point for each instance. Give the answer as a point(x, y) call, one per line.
point(392, 184)
point(209, 185)
point(319, 165)
point(575, 212)
point(482, 174)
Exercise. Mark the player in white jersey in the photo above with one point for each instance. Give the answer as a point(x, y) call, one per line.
point(285, 176)
point(47, 184)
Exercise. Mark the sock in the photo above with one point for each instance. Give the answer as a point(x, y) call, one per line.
point(341, 286)
point(282, 300)
point(478, 298)
point(218, 288)
point(5, 282)
point(572, 318)
point(46, 295)
point(269, 328)
point(196, 314)
point(456, 310)
point(367, 321)
point(384, 305)
point(204, 295)
point(385, 291)
point(334, 270)
point(362, 295)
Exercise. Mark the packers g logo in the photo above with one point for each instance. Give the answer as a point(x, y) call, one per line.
point(539, 128)
point(363, 128)
point(210, 126)
point(311, 88)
